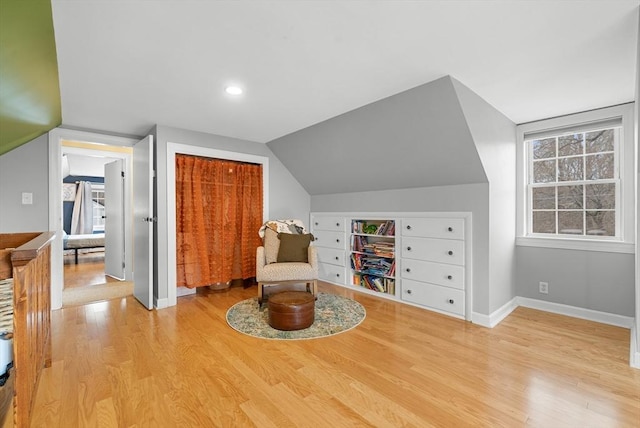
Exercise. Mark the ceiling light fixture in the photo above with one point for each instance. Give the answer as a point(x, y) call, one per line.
point(233, 90)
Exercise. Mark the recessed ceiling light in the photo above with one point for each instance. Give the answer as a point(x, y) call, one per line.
point(233, 90)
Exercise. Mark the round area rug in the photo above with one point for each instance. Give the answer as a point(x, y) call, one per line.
point(333, 315)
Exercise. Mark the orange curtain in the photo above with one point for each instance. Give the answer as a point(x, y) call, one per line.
point(218, 215)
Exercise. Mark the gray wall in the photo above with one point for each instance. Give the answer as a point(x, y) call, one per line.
point(494, 136)
point(416, 138)
point(586, 279)
point(472, 198)
point(432, 148)
point(637, 137)
point(25, 169)
point(287, 198)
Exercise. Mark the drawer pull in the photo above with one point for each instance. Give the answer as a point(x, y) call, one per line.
point(408, 227)
point(408, 248)
point(408, 291)
point(338, 275)
point(450, 253)
point(448, 276)
point(337, 258)
point(450, 301)
point(408, 269)
point(450, 229)
point(316, 223)
point(338, 224)
point(337, 240)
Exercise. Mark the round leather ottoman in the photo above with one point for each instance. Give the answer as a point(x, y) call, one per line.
point(291, 310)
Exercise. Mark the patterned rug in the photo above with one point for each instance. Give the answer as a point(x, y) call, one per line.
point(333, 315)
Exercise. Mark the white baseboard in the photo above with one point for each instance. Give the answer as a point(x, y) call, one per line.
point(161, 303)
point(184, 291)
point(576, 312)
point(634, 354)
point(496, 316)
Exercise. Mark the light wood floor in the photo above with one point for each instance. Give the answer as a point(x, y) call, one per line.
point(116, 364)
point(88, 271)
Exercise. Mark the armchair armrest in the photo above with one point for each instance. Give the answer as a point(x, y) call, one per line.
point(312, 255)
point(261, 261)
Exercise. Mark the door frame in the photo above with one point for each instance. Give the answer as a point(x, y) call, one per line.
point(177, 148)
point(55, 196)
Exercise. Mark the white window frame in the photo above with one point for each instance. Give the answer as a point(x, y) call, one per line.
point(97, 187)
point(625, 215)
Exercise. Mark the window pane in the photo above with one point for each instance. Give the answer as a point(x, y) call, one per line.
point(544, 171)
point(599, 141)
point(600, 166)
point(601, 223)
point(570, 145)
point(544, 149)
point(570, 169)
point(570, 197)
point(544, 222)
point(544, 198)
point(601, 196)
point(571, 222)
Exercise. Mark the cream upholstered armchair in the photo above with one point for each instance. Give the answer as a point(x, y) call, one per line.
point(286, 259)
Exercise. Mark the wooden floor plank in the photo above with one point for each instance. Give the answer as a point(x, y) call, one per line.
point(117, 364)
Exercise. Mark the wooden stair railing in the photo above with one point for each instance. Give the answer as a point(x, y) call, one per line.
point(31, 270)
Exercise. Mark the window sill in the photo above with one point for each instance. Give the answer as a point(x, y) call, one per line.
point(577, 244)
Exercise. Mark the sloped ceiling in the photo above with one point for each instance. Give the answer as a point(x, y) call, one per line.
point(418, 138)
point(127, 65)
point(29, 89)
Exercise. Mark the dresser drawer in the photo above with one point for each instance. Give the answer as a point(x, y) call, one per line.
point(434, 250)
point(435, 273)
point(336, 224)
point(329, 239)
point(330, 256)
point(446, 228)
point(434, 296)
point(331, 273)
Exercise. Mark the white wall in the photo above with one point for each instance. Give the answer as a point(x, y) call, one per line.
point(494, 136)
point(287, 198)
point(25, 169)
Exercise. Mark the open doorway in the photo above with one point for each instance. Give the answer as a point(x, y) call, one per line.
point(92, 221)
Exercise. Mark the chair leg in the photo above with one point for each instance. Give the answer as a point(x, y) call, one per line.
point(312, 287)
point(260, 294)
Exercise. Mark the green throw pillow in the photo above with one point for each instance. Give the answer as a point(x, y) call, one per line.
point(294, 248)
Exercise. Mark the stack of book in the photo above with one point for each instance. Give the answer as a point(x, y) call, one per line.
point(375, 283)
point(380, 248)
point(373, 265)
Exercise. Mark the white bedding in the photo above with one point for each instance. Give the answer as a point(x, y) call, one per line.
point(91, 240)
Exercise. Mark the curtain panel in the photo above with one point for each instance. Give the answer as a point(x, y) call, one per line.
point(82, 216)
point(218, 215)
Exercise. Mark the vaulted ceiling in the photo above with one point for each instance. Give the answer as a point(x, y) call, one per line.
point(127, 65)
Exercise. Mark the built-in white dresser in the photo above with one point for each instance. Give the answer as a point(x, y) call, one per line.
point(331, 243)
point(432, 257)
point(433, 263)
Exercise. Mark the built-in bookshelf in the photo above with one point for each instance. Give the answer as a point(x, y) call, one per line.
point(373, 263)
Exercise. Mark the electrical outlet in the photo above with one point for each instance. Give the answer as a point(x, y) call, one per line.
point(544, 287)
point(27, 198)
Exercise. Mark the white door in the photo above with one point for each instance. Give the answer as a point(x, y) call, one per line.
point(114, 219)
point(143, 221)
